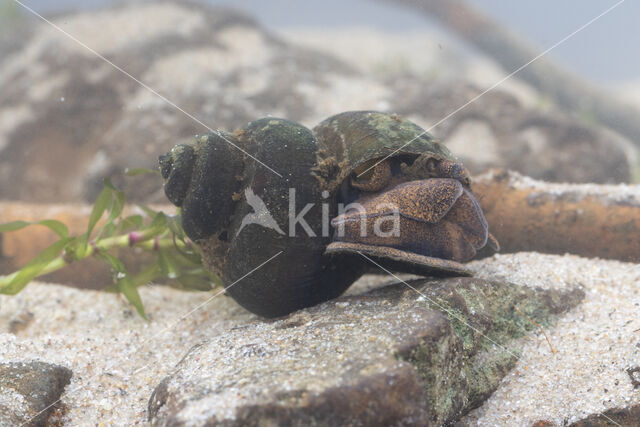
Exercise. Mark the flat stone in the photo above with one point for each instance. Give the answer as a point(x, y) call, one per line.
point(421, 353)
point(622, 417)
point(29, 390)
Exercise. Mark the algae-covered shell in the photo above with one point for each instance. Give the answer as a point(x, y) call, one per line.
point(349, 140)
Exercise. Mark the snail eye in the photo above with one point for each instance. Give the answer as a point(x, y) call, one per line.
point(372, 176)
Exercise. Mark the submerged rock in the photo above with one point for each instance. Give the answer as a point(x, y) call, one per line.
point(425, 352)
point(497, 130)
point(622, 417)
point(219, 66)
point(29, 390)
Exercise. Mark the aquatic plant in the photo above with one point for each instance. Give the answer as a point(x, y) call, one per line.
point(174, 257)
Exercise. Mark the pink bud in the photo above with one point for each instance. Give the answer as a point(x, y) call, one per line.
point(134, 237)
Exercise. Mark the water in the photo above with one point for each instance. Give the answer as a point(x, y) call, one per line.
point(602, 53)
point(552, 160)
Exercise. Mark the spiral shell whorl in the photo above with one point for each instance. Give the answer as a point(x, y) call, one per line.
point(176, 168)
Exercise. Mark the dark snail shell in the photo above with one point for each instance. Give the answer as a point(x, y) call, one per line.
point(300, 276)
point(201, 179)
point(215, 206)
point(217, 182)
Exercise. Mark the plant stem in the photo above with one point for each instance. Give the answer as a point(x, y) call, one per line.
point(145, 240)
point(54, 265)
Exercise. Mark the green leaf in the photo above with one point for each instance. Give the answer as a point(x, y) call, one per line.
point(175, 225)
point(168, 266)
point(195, 282)
point(114, 262)
point(130, 291)
point(147, 274)
point(108, 230)
point(190, 259)
point(140, 171)
point(56, 226)
point(132, 221)
point(102, 202)
point(114, 208)
point(123, 282)
point(117, 203)
point(148, 211)
point(13, 226)
point(197, 276)
point(158, 226)
point(34, 267)
point(160, 220)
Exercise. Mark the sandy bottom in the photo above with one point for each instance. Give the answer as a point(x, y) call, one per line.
point(118, 358)
point(594, 344)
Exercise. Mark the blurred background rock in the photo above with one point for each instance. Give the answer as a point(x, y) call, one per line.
point(68, 119)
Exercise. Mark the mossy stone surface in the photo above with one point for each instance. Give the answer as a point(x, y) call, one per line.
point(423, 354)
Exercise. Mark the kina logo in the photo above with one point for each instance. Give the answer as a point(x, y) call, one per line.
point(260, 214)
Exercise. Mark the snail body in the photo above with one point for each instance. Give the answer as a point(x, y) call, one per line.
point(242, 214)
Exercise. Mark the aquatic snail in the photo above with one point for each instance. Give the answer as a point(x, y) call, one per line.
point(352, 192)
